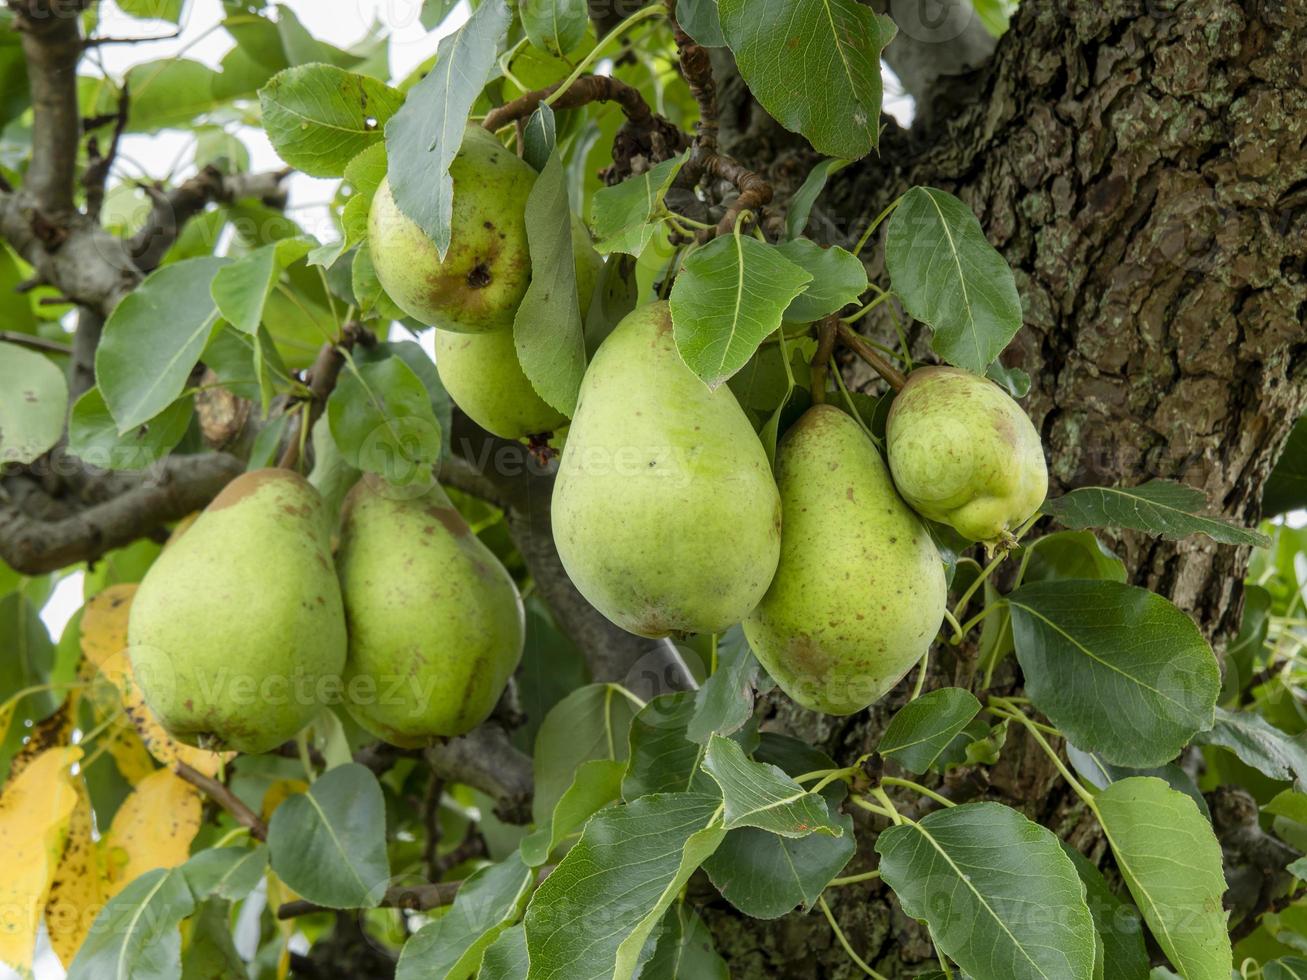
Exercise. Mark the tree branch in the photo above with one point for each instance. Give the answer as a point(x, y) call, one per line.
point(225, 798)
point(52, 46)
point(586, 89)
point(32, 342)
point(485, 759)
point(166, 492)
point(172, 209)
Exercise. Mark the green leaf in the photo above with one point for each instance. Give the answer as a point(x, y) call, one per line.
point(426, 133)
point(228, 873)
point(683, 949)
point(33, 403)
point(93, 435)
point(1286, 487)
point(506, 957)
point(539, 137)
point(26, 660)
point(320, 117)
point(556, 26)
point(1288, 968)
point(382, 421)
point(590, 723)
point(1072, 555)
point(597, 783)
point(796, 218)
point(766, 876)
point(662, 759)
point(593, 913)
point(1261, 745)
point(1117, 923)
point(241, 289)
point(547, 326)
point(838, 278)
point(169, 10)
point(329, 844)
point(784, 47)
point(728, 297)
point(1100, 774)
point(1162, 507)
point(758, 794)
point(153, 338)
point(951, 278)
point(1000, 896)
point(725, 701)
point(170, 93)
point(1120, 670)
point(624, 214)
point(210, 950)
point(699, 19)
point(135, 935)
point(1171, 862)
point(452, 946)
point(922, 729)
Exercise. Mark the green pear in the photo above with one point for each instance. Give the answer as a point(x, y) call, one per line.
point(237, 634)
point(964, 454)
point(482, 374)
point(665, 513)
point(487, 267)
point(859, 593)
point(436, 625)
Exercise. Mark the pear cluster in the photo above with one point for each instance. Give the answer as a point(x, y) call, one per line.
point(668, 518)
point(472, 296)
point(245, 626)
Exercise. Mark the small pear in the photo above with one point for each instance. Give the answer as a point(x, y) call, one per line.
point(237, 633)
point(665, 513)
point(436, 625)
point(859, 593)
point(482, 373)
point(963, 453)
point(487, 267)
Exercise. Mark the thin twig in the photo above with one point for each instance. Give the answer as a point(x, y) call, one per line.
point(587, 89)
point(821, 359)
point(225, 798)
point(893, 377)
point(34, 343)
point(322, 381)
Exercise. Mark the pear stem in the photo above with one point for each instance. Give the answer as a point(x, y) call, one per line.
point(821, 359)
point(892, 375)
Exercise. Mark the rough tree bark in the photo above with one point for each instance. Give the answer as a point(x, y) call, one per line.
point(1143, 167)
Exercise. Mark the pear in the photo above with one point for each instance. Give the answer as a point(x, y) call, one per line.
point(964, 454)
point(237, 634)
point(859, 593)
point(482, 374)
point(487, 267)
point(665, 513)
point(436, 625)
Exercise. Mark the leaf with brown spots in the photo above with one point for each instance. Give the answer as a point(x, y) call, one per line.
point(34, 813)
point(77, 891)
point(153, 828)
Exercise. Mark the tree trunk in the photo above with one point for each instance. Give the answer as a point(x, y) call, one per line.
point(1143, 167)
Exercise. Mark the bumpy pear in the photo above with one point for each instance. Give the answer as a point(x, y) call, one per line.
point(665, 513)
point(964, 454)
point(435, 622)
point(237, 633)
point(859, 593)
point(487, 266)
point(482, 373)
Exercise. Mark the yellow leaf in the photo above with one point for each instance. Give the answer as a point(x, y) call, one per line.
point(35, 809)
point(54, 732)
point(153, 828)
point(104, 630)
point(104, 643)
point(77, 891)
point(123, 742)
